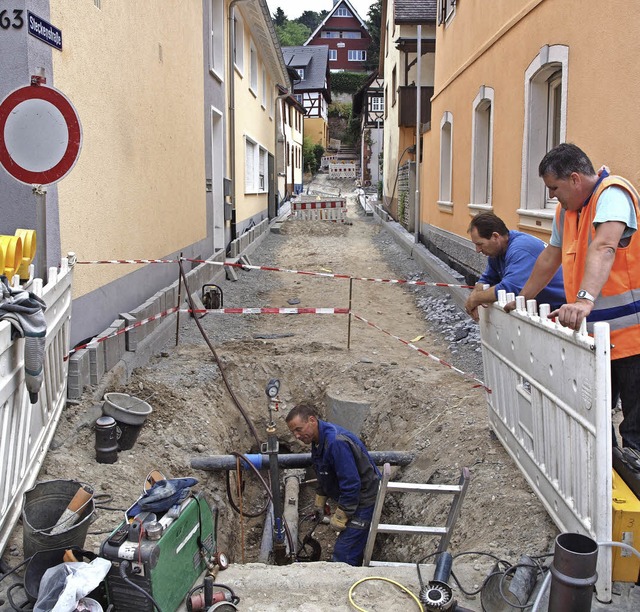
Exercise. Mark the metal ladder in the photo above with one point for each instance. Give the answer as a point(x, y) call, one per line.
point(458, 491)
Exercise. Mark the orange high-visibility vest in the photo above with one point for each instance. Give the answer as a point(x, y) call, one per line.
point(619, 301)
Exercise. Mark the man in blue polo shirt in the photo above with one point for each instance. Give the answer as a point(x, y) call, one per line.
point(512, 256)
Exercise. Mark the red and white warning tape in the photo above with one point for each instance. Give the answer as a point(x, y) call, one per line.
point(273, 269)
point(164, 313)
point(423, 352)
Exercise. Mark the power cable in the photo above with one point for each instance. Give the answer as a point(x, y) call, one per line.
point(400, 586)
point(235, 399)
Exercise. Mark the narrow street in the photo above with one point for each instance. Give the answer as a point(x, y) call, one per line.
point(413, 403)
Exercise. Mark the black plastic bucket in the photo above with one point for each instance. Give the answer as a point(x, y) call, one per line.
point(42, 506)
point(44, 560)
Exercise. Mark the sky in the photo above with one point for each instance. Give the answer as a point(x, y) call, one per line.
point(295, 8)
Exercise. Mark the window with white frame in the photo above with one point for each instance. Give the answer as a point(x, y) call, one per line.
point(250, 165)
point(446, 161)
point(394, 85)
point(333, 55)
point(446, 10)
point(351, 34)
point(238, 41)
point(264, 88)
point(329, 34)
point(545, 122)
point(300, 72)
point(377, 104)
point(253, 68)
point(216, 41)
point(262, 169)
point(298, 97)
point(255, 177)
point(482, 149)
point(357, 55)
point(342, 12)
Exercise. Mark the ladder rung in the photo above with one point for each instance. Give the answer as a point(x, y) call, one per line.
point(388, 528)
point(414, 487)
point(393, 564)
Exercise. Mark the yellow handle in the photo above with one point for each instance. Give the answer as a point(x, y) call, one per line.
point(12, 249)
point(28, 250)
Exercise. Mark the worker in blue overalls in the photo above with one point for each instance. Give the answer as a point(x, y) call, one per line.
point(346, 473)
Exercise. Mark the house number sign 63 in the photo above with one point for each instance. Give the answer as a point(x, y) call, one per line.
point(11, 19)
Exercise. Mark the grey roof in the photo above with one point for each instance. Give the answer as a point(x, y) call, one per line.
point(415, 11)
point(314, 59)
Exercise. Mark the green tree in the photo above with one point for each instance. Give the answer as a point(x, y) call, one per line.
point(279, 18)
point(308, 155)
point(292, 34)
point(374, 19)
point(312, 19)
point(318, 152)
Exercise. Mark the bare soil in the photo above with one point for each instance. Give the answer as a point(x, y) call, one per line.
point(417, 404)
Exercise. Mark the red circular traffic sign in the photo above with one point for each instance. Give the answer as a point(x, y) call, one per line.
point(40, 135)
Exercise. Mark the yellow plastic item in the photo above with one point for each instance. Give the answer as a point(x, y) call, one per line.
point(393, 582)
point(28, 250)
point(11, 247)
point(626, 528)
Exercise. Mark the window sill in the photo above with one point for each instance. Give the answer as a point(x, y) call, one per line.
point(539, 220)
point(253, 93)
point(216, 75)
point(238, 69)
point(474, 209)
point(445, 207)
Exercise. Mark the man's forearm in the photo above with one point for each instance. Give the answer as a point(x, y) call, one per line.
point(481, 296)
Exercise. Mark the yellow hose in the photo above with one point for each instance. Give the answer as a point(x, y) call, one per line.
point(404, 588)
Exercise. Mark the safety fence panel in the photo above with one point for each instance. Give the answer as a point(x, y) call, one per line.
point(26, 429)
point(342, 170)
point(320, 210)
point(550, 406)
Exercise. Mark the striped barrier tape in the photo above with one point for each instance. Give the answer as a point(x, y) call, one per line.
point(164, 313)
point(423, 352)
point(273, 269)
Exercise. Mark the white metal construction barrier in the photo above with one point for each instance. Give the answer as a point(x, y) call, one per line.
point(26, 429)
point(340, 170)
point(550, 407)
point(320, 210)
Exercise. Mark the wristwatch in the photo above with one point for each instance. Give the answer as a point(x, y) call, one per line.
point(585, 295)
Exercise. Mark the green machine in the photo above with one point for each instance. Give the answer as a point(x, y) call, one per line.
point(162, 555)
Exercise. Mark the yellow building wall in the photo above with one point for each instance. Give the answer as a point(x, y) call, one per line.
point(316, 129)
point(134, 72)
point(253, 121)
point(494, 48)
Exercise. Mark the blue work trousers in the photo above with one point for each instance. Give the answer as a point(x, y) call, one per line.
point(350, 544)
point(625, 385)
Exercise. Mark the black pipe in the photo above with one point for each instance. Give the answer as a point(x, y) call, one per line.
point(293, 460)
point(573, 573)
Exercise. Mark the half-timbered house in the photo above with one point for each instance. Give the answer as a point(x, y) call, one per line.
point(312, 90)
point(368, 105)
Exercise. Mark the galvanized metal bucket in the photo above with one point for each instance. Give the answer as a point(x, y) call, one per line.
point(42, 506)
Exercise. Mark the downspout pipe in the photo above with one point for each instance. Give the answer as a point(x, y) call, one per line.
point(418, 131)
point(293, 460)
point(232, 116)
